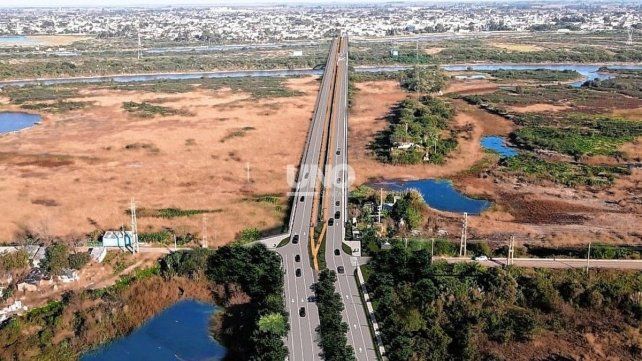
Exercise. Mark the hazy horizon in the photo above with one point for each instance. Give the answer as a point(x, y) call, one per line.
point(163, 3)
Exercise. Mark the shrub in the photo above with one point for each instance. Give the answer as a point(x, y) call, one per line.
point(78, 260)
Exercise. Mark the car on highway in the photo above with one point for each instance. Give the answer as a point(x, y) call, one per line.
point(302, 199)
point(312, 299)
point(341, 270)
point(338, 151)
point(298, 272)
point(302, 311)
point(331, 222)
point(337, 203)
point(481, 258)
point(297, 258)
point(295, 239)
point(337, 215)
point(337, 252)
point(339, 180)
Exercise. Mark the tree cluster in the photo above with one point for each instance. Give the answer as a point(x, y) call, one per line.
point(332, 329)
point(440, 311)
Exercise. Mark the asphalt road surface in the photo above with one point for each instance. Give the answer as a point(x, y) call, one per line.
point(302, 339)
point(354, 314)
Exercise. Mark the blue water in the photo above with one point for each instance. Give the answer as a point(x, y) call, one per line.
point(498, 144)
point(440, 194)
point(178, 333)
point(13, 121)
point(589, 72)
point(18, 39)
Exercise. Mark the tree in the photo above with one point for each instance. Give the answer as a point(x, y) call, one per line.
point(78, 260)
point(274, 323)
point(423, 79)
point(14, 260)
point(56, 259)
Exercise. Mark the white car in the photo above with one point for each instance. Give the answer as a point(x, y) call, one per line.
point(481, 258)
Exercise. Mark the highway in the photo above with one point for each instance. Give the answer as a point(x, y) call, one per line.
point(354, 314)
point(326, 146)
point(302, 340)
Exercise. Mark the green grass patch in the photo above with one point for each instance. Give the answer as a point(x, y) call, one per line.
point(169, 213)
point(568, 174)
point(577, 135)
point(534, 74)
point(59, 106)
point(147, 110)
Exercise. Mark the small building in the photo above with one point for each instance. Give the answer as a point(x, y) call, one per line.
point(97, 254)
point(297, 53)
point(394, 53)
point(386, 245)
point(118, 239)
point(69, 275)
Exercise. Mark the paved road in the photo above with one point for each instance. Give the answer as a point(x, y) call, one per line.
point(555, 262)
point(302, 340)
point(354, 314)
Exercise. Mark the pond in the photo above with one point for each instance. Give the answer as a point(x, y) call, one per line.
point(181, 332)
point(589, 71)
point(498, 144)
point(14, 121)
point(439, 194)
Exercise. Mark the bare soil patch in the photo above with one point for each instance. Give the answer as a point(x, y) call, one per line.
point(539, 107)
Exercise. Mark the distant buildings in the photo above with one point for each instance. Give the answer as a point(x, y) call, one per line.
point(264, 24)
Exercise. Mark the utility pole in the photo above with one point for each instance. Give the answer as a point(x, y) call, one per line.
point(204, 232)
point(588, 257)
point(417, 52)
point(464, 236)
point(135, 247)
point(380, 203)
point(432, 248)
point(511, 251)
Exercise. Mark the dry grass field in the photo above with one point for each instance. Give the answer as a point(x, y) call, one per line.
point(77, 171)
point(551, 213)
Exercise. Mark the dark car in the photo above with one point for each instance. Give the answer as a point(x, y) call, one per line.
point(337, 215)
point(336, 252)
point(301, 199)
point(298, 272)
point(297, 258)
point(338, 151)
point(340, 270)
point(295, 239)
point(312, 299)
point(331, 222)
point(302, 311)
point(337, 203)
